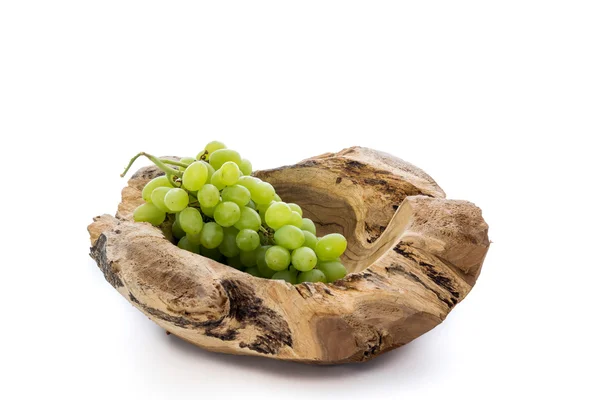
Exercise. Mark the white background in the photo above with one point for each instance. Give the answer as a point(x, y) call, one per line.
point(498, 101)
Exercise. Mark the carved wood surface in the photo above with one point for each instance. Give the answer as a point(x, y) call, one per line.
point(413, 255)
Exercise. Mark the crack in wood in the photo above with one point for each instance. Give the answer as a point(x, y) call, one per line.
point(399, 269)
point(373, 348)
point(433, 274)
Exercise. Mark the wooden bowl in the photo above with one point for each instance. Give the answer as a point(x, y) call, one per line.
point(412, 256)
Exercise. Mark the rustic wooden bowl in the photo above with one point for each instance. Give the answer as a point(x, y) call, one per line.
point(412, 254)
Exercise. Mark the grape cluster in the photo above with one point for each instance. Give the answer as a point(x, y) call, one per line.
point(224, 213)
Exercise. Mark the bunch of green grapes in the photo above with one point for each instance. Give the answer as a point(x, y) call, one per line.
point(224, 213)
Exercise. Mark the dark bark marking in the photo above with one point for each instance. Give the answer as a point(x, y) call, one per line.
point(338, 180)
point(431, 271)
point(348, 282)
point(248, 309)
point(373, 348)
point(300, 288)
point(375, 275)
point(179, 321)
point(98, 253)
point(352, 278)
point(353, 164)
point(373, 232)
point(437, 277)
point(399, 269)
point(228, 335)
point(398, 249)
point(371, 181)
point(307, 163)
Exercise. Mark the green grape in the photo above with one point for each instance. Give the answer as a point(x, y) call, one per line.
point(278, 215)
point(260, 254)
point(228, 246)
point(304, 259)
point(178, 233)
point(293, 270)
point(235, 262)
point(236, 193)
point(310, 240)
point(176, 199)
point(221, 156)
point(277, 258)
point(185, 244)
point(253, 271)
point(148, 212)
point(186, 160)
point(213, 254)
point(211, 235)
point(247, 240)
point(286, 276)
point(248, 182)
point(289, 236)
point(194, 238)
point(159, 181)
point(331, 246)
point(194, 176)
point(246, 167)
point(261, 263)
point(308, 225)
point(314, 275)
point(209, 169)
point(333, 270)
point(158, 198)
point(262, 193)
point(295, 207)
point(191, 220)
point(217, 180)
point(230, 173)
point(227, 213)
point(265, 272)
point(210, 148)
point(208, 195)
point(295, 220)
point(262, 208)
point(214, 146)
point(248, 258)
point(208, 211)
point(251, 205)
point(249, 219)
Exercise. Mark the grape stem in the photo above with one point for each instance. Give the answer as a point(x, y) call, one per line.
point(267, 234)
point(176, 182)
point(173, 162)
point(157, 161)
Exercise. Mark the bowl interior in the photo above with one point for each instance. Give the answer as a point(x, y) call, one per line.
point(370, 224)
